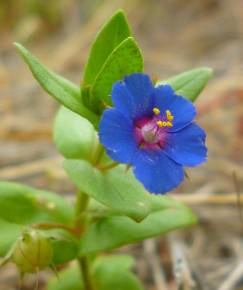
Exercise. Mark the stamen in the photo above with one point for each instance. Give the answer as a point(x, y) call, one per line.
point(164, 124)
point(156, 111)
point(169, 116)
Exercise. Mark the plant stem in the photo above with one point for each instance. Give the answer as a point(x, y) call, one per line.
point(80, 224)
point(85, 269)
point(108, 166)
point(98, 154)
point(81, 205)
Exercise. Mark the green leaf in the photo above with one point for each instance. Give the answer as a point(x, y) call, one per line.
point(125, 59)
point(61, 89)
point(24, 205)
point(65, 247)
point(108, 273)
point(9, 234)
point(74, 136)
point(114, 31)
point(124, 262)
point(68, 279)
point(112, 272)
point(116, 189)
point(116, 231)
point(190, 83)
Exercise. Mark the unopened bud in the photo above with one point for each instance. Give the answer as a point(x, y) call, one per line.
point(32, 252)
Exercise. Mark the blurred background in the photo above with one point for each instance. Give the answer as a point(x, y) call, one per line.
point(175, 35)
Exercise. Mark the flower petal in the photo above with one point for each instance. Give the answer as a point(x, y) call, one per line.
point(187, 146)
point(183, 110)
point(133, 96)
point(157, 172)
point(116, 134)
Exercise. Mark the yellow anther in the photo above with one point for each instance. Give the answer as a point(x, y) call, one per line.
point(169, 116)
point(156, 111)
point(164, 124)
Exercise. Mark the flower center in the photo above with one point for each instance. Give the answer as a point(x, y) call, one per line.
point(151, 132)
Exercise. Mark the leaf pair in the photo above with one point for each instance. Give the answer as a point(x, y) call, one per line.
point(132, 214)
point(113, 55)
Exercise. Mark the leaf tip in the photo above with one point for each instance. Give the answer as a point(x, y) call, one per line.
point(18, 46)
point(208, 71)
point(119, 12)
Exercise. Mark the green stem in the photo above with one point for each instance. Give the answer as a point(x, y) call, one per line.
point(82, 203)
point(80, 224)
point(81, 221)
point(81, 206)
point(85, 269)
point(98, 154)
point(108, 166)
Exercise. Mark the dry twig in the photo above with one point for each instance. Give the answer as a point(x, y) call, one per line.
point(184, 275)
point(232, 280)
point(155, 265)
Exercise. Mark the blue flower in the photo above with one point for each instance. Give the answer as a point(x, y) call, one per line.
point(152, 129)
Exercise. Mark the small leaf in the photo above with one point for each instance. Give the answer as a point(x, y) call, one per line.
point(125, 59)
point(114, 31)
point(61, 89)
point(9, 234)
point(116, 231)
point(112, 272)
point(108, 273)
point(68, 279)
point(124, 262)
point(74, 136)
point(24, 205)
point(190, 83)
point(65, 247)
point(116, 189)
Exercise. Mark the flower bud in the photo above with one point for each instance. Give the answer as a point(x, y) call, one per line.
point(32, 252)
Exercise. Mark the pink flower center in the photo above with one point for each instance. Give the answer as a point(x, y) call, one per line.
point(151, 133)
